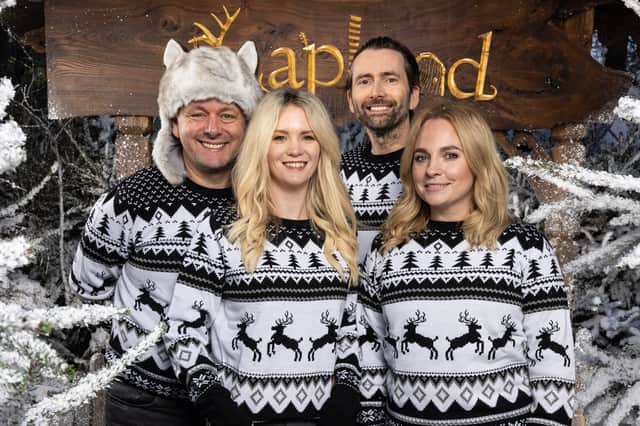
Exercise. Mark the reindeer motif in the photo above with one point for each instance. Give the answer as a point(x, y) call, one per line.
point(501, 342)
point(349, 317)
point(329, 338)
point(370, 336)
point(198, 322)
point(242, 335)
point(471, 336)
point(411, 336)
point(144, 298)
point(105, 283)
point(392, 341)
point(279, 338)
point(547, 343)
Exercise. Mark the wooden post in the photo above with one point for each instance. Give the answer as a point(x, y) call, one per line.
point(133, 149)
point(562, 227)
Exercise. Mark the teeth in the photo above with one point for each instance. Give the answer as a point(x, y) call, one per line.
point(295, 165)
point(378, 108)
point(212, 145)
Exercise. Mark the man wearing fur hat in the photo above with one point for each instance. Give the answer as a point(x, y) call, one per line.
point(137, 233)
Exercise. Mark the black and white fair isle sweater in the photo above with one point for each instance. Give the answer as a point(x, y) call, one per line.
point(131, 251)
point(277, 338)
point(461, 336)
point(374, 186)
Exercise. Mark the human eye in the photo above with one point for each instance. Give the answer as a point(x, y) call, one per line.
point(392, 79)
point(278, 137)
point(309, 137)
point(228, 117)
point(419, 157)
point(196, 115)
point(363, 81)
point(451, 155)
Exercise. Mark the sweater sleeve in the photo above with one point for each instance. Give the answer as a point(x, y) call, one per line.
point(547, 326)
point(371, 326)
point(196, 299)
point(103, 249)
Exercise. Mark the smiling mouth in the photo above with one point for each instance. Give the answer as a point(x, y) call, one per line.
point(296, 165)
point(378, 108)
point(435, 186)
point(213, 146)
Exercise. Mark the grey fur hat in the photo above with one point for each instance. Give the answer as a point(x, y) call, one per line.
point(198, 75)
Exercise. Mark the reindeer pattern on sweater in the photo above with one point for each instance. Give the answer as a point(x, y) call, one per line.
point(466, 336)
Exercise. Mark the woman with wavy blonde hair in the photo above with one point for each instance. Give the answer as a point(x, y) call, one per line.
point(479, 301)
point(276, 341)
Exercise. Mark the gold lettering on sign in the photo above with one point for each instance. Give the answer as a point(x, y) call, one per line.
point(311, 65)
point(207, 36)
point(290, 69)
point(478, 93)
point(353, 38)
point(432, 72)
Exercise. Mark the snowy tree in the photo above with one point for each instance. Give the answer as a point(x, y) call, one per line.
point(31, 365)
point(608, 342)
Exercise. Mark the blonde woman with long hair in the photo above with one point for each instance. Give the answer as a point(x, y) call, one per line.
point(471, 307)
point(262, 324)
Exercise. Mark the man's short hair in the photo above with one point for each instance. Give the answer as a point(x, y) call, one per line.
point(384, 42)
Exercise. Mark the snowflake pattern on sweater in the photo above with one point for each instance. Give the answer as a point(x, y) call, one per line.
point(459, 336)
point(131, 251)
point(277, 338)
point(374, 186)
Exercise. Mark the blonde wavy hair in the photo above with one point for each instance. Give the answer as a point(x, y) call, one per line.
point(327, 201)
point(490, 214)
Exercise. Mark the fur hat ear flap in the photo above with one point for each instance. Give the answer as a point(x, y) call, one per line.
point(172, 52)
point(249, 54)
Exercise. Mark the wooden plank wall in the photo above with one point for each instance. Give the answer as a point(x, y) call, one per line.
point(105, 56)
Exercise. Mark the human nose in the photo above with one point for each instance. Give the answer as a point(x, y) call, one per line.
point(294, 147)
point(434, 168)
point(377, 89)
point(212, 125)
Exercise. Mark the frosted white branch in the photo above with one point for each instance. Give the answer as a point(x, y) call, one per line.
point(87, 387)
point(631, 260)
point(630, 399)
point(595, 202)
point(39, 353)
point(11, 210)
point(14, 254)
point(12, 138)
point(633, 5)
point(13, 316)
point(590, 260)
point(550, 172)
point(7, 92)
point(572, 172)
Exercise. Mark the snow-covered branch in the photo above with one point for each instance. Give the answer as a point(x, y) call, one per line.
point(633, 5)
point(628, 108)
point(12, 137)
point(90, 384)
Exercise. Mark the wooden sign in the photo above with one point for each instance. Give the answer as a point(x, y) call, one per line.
point(520, 64)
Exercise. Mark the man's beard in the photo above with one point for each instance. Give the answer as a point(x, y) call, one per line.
point(381, 125)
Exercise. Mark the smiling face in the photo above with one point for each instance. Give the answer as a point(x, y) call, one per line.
point(380, 96)
point(293, 155)
point(441, 175)
point(210, 133)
